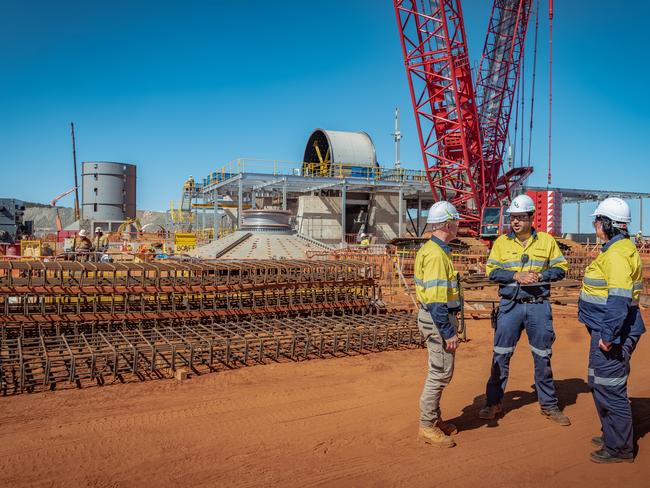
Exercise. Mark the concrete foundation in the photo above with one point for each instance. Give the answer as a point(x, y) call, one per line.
point(384, 217)
point(319, 217)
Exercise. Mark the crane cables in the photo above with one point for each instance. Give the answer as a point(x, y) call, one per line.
point(550, 85)
point(520, 99)
point(532, 96)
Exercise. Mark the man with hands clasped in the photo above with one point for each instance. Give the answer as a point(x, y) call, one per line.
point(523, 263)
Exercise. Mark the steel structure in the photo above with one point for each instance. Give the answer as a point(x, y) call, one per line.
point(440, 81)
point(108, 191)
point(339, 153)
point(496, 86)
point(462, 143)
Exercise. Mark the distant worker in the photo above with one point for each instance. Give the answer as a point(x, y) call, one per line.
point(638, 239)
point(158, 251)
point(145, 253)
point(189, 184)
point(524, 262)
point(365, 240)
point(82, 245)
point(437, 292)
point(47, 250)
point(100, 242)
point(609, 307)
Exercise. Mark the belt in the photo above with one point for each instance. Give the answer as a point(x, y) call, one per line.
point(531, 300)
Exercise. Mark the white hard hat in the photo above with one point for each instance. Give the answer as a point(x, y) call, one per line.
point(615, 208)
point(98, 229)
point(521, 204)
point(83, 233)
point(442, 212)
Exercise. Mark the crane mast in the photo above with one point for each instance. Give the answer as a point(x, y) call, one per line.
point(442, 93)
point(462, 142)
point(496, 87)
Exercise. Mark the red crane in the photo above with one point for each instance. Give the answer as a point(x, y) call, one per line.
point(463, 141)
point(496, 85)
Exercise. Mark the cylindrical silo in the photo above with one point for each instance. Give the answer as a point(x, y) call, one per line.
point(108, 191)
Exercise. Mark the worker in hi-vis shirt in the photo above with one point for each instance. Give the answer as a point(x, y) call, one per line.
point(524, 262)
point(436, 287)
point(609, 307)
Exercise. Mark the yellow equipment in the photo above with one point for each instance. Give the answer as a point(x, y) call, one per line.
point(183, 217)
point(184, 242)
point(322, 168)
point(127, 224)
point(30, 249)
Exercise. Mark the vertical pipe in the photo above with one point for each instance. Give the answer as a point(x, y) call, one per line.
point(578, 217)
point(343, 216)
point(284, 193)
point(401, 211)
point(418, 233)
point(215, 226)
point(77, 212)
point(398, 137)
point(240, 201)
point(203, 215)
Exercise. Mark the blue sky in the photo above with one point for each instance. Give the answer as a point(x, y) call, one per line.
point(183, 87)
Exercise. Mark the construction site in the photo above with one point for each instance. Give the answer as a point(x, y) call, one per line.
point(262, 330)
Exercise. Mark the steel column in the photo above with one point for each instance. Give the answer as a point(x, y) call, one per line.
point(240, 202)
point(419, 230)
point(343, 214)
point(284, 193)
point(400, 223)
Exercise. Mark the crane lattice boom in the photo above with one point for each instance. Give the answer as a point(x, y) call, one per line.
point(462, 143)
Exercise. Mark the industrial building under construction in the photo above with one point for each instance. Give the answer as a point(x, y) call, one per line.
point(294, 263)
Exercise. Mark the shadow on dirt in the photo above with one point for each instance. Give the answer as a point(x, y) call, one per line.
point(567, 393)
point(640, 419)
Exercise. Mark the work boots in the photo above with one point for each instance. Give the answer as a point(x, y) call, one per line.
point(436, 436)
point(556, 415)
point(603, 457)
point(490, 412)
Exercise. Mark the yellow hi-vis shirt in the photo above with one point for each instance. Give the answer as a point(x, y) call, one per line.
point(436, 285)
point(543, 257)
point(611, 287)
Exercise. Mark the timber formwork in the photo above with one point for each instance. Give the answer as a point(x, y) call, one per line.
point(72, 324)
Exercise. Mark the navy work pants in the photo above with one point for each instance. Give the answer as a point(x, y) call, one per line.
point(537, 319)
point(607, 376)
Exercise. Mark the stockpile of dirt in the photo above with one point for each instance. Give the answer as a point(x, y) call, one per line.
point(44, 217)
point(334, 422)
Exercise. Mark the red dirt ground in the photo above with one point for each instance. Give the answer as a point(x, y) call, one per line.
point(335, 422)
